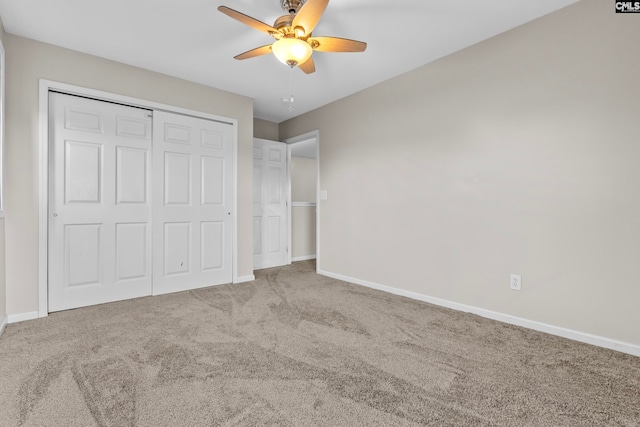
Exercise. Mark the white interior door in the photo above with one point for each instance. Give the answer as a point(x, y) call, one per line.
point(192, 202)
point(269, 204)
point(99, 207)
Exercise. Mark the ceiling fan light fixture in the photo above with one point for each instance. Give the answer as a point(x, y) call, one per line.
point(292, 51)
point(294, 45)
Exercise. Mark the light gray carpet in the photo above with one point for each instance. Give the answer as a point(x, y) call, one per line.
point(297, 349)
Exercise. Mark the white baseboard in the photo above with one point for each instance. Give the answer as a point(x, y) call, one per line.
point(3, 324)
point(505, 318)
point(242, 279)
point(303, 258)
point(21, 317)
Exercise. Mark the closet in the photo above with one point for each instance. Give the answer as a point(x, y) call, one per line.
point(140, 202)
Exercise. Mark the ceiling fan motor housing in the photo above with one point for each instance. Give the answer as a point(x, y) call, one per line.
point(283, 22)
point(291, 6)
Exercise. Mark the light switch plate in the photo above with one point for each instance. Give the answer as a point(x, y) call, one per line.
point(323, 194)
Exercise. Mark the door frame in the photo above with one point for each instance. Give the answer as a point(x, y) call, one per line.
point(45, 86)
point(315, 134)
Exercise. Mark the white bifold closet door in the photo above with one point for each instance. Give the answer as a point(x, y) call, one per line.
point(192, 202)
point(99, 202)
point(138, 205)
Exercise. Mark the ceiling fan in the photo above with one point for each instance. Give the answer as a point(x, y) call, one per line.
point(294, 42)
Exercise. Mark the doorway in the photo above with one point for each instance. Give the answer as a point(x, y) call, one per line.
point(304, 184)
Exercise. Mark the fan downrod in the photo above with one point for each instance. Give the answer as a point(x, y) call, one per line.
point(292, 6)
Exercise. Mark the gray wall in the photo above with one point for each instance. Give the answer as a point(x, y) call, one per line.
point(303, 179)
point(3, 292)
point(517, 155)
point(27, 62)
point(265, 129)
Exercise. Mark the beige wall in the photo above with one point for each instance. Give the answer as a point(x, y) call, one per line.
point(27, 62)
point(265, 130)
point(3, 299)
point(303, 179)
point(3, 305)
point(517, 155)
point(303, 232)
point(303, 218)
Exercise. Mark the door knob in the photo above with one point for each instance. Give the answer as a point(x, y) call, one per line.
point(55, 214)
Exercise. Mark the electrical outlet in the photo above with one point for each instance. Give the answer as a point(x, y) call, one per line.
point(516, 282)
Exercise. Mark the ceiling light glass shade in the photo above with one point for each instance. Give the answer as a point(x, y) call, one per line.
point(292, 51)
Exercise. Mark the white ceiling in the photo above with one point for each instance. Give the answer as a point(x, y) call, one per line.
point(190, 39)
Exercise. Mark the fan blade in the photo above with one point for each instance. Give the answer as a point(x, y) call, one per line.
point(309, 15)
point(336, 44)
point(262, 50)
point(247, 20)
point(308, 67)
